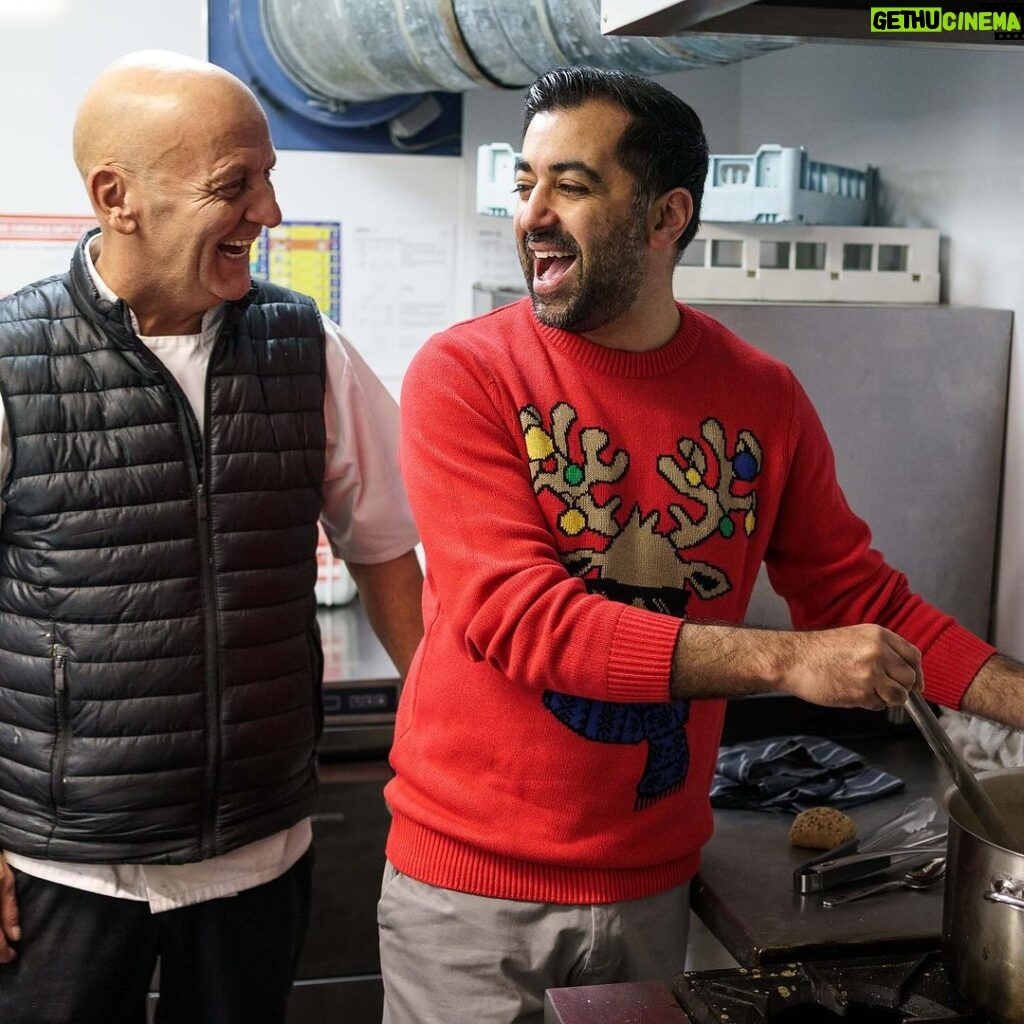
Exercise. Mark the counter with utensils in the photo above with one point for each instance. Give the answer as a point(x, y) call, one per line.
point(745, 892)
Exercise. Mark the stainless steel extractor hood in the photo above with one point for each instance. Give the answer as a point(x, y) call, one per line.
point(788, 21)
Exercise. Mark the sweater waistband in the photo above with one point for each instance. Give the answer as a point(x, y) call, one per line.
point(436, 859)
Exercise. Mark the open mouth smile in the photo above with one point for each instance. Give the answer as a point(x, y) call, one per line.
point(550, 267)
point(236, 248)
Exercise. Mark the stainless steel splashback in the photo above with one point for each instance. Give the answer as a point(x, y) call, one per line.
point(914, 401)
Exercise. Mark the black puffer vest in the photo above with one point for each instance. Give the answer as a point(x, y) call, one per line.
point(160, 667)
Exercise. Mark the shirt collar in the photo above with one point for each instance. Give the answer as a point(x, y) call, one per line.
point(212, 318)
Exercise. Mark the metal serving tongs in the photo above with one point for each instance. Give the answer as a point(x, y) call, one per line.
point(930, 841)
point(834, 868)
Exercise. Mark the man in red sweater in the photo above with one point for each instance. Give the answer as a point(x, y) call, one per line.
point(597, 474)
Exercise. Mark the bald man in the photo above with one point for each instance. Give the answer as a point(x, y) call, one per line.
point(171, 434)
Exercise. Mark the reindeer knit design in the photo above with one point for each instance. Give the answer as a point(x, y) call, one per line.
point(638, 565)
point(575, 503)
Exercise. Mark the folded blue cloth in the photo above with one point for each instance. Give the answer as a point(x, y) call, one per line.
point(792, 773)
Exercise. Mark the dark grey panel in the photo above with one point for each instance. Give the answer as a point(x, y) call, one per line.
point(914, 400)
point(350, 826)
point(337, 1001)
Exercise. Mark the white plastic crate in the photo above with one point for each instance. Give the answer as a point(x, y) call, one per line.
point(782, 184)
point(495, 179)
point(800, 263)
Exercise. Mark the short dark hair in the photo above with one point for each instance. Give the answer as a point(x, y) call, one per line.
point(663, 147)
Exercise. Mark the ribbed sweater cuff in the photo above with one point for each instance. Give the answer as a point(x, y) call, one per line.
point(951, 663)
point(640, 660)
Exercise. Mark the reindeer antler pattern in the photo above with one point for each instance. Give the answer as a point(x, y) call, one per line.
point(572, 480)
point(692, 479)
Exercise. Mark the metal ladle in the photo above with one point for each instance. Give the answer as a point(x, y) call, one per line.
point(917, 878)
point(993, 824)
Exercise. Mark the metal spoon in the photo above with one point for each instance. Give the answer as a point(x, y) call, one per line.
point(917, 878)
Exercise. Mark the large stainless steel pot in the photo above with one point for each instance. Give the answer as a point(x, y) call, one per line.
point(983, 913)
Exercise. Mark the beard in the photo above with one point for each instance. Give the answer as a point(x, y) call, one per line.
point(610, 275)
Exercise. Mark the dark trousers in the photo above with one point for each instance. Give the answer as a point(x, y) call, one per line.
point(88, 959)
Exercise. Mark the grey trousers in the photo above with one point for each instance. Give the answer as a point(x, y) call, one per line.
point(451, 958)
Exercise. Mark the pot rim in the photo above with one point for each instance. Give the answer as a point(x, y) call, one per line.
point(953, 793)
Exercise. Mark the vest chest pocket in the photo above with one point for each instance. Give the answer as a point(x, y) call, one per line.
point(62, 709)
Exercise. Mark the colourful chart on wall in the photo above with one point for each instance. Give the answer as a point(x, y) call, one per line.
point(33, 246)
point(305, 256)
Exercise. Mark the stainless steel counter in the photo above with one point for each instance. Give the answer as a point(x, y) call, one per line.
point(744, 892)
point(361, 685)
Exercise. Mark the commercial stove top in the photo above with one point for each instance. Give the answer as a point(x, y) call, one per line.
point(859, 990)
point(910, 988)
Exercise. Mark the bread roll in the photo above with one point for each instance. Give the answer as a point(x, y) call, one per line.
point(821, 828)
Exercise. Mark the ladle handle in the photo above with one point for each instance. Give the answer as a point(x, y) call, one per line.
point(976, 798)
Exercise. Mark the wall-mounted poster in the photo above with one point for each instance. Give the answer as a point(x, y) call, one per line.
point(304, 256)
point(34, 246)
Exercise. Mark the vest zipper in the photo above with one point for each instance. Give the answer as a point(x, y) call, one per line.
point(211, 631)
point(211, 774)
point(59, 656)
point(198, 446)
point(214, 683)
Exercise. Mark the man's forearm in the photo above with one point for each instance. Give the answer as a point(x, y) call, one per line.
point(720, 661)
point(391, 593)
point(997, 692)
point(10, 930)
point(863, 666)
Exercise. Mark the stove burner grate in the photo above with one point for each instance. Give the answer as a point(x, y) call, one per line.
point(863, 990)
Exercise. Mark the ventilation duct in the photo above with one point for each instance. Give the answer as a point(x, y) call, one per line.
point(358, 51)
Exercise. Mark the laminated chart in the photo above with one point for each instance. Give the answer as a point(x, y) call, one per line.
point(34, 246)
point(304, 256)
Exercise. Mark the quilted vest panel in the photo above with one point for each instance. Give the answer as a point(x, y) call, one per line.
point(160, 667)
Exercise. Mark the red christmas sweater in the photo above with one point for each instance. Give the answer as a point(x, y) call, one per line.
point(575, 502)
